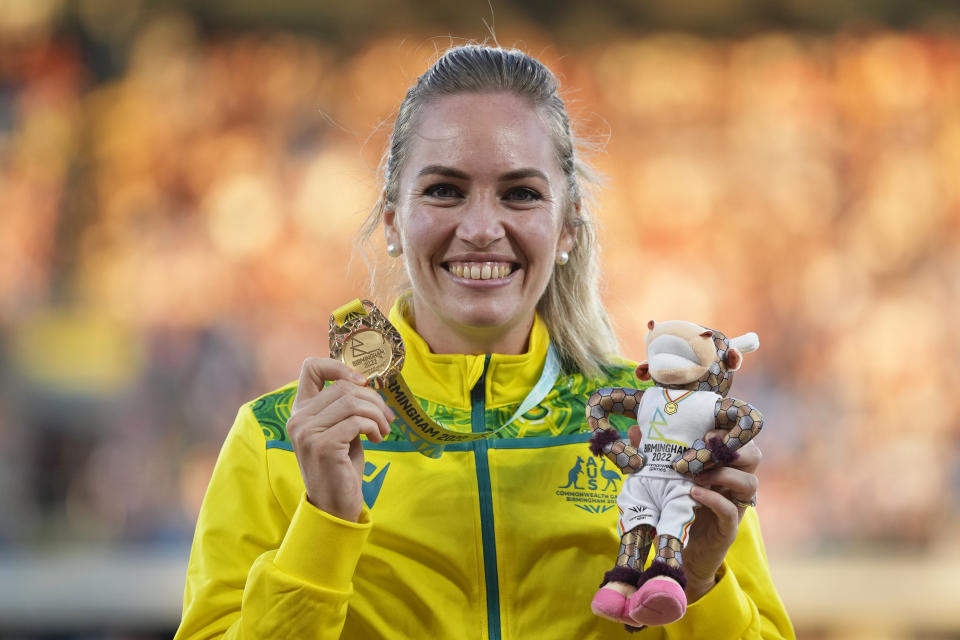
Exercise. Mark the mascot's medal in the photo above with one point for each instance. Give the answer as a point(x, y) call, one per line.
point(363, 338)
point(673, 405)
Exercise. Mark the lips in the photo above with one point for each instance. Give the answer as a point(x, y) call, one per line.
point(480, 270)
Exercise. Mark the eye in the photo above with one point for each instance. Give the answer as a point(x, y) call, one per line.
point(442, 191)
point(522, 194)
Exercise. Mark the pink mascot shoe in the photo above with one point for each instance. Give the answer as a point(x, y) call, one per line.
point(611, 605)
point(659, 601)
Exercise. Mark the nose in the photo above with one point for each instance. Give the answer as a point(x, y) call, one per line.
point(481, 224)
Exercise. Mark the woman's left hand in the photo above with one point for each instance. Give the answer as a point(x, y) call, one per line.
point(717, 521)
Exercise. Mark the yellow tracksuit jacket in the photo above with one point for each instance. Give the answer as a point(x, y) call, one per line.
point(501, 538)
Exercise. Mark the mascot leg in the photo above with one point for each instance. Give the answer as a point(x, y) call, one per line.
point(660, 598)
point(621, 582)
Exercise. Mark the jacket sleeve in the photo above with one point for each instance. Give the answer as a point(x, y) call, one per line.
point(744, 603)
point(254, 572)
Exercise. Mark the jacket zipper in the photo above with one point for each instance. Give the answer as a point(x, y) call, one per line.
point(478, 423)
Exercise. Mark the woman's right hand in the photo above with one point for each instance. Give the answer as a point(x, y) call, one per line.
point(324, 428)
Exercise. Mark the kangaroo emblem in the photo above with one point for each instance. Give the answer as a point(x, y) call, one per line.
point(573, 474)
point(611, 475)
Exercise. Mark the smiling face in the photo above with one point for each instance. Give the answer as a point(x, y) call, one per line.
point(479, 218)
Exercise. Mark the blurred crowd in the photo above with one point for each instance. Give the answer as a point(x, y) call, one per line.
point(177, 220)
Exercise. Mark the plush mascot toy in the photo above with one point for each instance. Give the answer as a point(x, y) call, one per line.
point(692, 368)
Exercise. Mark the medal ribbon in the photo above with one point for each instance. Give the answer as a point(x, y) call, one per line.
point(666, 394)
point(427, 435)
point(672, 406)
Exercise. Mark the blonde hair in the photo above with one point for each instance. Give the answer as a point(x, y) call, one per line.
point(570, 305)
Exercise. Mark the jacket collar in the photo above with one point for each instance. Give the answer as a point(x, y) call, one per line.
point(447, 378)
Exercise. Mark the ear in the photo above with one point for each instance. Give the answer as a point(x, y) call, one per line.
point(734, 359)
point(568, 230)
point(567, 236)
point(566, 239)
point(390, 226)
point(643, 371)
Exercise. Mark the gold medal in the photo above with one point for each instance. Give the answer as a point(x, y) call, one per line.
point(367, 351)
point(363, 339)
point(672, 406)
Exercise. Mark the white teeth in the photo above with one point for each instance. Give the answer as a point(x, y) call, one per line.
point(480, 270)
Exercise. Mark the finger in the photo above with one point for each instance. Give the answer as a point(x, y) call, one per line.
point(727, 514)
point(330, 445)
point(635, 435)
point(735, 482)
point(353, 406)
point(316, 372)
point(340, 410)
point(346, 431)
point(333, 393)
point(748, 456)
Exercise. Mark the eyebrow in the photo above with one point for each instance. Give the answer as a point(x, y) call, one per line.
point(517, 174)
point(440, 170)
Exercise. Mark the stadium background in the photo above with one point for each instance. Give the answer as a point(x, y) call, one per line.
point(180, 183)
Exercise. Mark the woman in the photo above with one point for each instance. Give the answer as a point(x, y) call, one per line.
point(321, 523)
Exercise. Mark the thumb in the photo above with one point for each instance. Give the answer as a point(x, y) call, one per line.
point(635, 435)
point(316, 372)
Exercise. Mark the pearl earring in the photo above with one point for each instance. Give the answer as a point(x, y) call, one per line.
point(393, 250)
point(563, 258)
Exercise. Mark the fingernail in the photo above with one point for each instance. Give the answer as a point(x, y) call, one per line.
point(358, 378)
